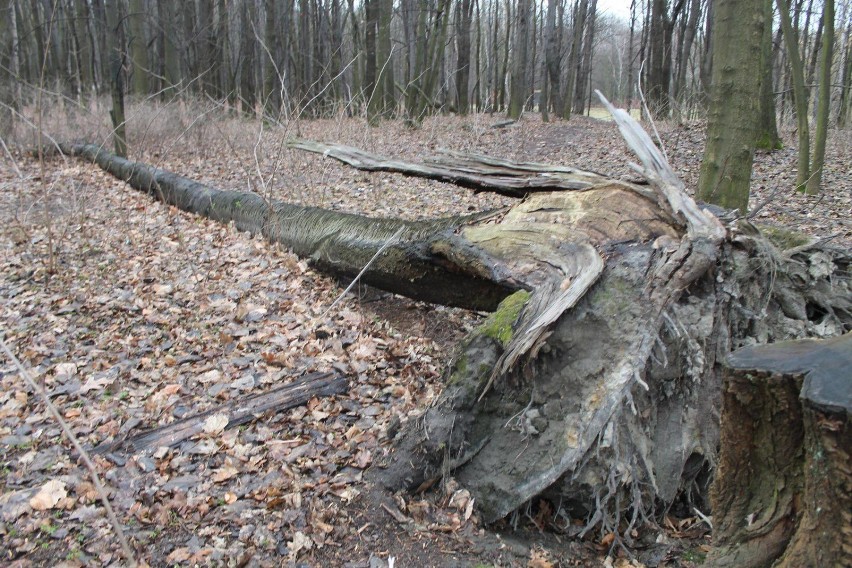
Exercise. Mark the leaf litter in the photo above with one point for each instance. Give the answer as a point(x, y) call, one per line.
point(149, 315)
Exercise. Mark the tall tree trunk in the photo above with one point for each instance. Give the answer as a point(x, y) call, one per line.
point(38, 27)
point(552, 58)
point(846, 84)
point(371, 92)
point(225, 76)
point(584, 69)
point(269, 56)
point(824, 100)
point(15, 79)
point(169, 50)
point(116, 57)
point(800, 97)
point(464, 15)
point(138, 47)
point(385, 59)
point(734, 104)
point(689, 30)
point(578, 24)
point(520, 56)
point(478, 84)
point(504, 67)
point(767, 133)
point(630, 64)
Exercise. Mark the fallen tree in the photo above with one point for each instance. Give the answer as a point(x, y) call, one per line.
point(596, 382)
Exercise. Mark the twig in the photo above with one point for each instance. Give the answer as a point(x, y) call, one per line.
point(363, 270)
point(125, 545)
point(395, 513)
point(703, 517)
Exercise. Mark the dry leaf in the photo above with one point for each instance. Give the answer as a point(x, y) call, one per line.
point(300, 542)
point(49, 495)
point(215, 424)
point(539, 560)
point(181, 554)
point(224, 473)
point(65, 371)
point(96, 384)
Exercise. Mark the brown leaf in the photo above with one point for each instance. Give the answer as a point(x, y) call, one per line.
point(49, 495)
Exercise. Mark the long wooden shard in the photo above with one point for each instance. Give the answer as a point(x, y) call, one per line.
point(238, 411)
point(474, 171)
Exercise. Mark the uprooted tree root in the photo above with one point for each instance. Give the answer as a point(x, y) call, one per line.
point(659, 446)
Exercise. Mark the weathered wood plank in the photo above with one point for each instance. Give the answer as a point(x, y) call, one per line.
point(238, 411)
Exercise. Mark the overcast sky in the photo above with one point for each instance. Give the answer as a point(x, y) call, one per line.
point(620, 8)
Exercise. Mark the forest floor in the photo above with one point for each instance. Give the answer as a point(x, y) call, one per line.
point(132, 315)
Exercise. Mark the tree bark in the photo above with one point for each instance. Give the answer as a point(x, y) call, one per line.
point(846, 82)
point(800, 95)
point(138, 47)
point(783, 490)
point(520, 56)
point(552, 59)
point(595, 383)
point(385, 59)
point(823, 101)
point(767, 134)
point(114, 29)
point(464, 14)
point(734, 105)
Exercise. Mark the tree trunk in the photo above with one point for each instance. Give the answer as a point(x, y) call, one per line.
point(823, 101)
point(385, 60)
point(800, 96)
point(783, 489)
point(584, 67)
point(271, 72)
point(138, 47)
point(519, 59)
point(767, 129)
point(578, 23)
point(734, 104)
point(630, 64)
point(169, 51)
point(552, 58)
point(845, 83)
point(595, 383)
point(689, 30)
point(464, 14)
point(116, 36)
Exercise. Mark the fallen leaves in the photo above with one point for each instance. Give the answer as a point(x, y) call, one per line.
point(50, 494)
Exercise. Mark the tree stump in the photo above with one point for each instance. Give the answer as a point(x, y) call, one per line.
point(783, 489)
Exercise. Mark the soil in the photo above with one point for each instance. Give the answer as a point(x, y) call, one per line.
point(132, 315)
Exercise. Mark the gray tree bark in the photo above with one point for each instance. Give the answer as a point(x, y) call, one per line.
point(732, 125)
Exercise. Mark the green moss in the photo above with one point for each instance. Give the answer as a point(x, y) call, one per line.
point(784, 238)
point(498, 326)
point(768, 142)
point(694, 555)
point(459, 371)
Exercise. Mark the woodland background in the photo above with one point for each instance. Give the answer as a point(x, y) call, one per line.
point(410, 58)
